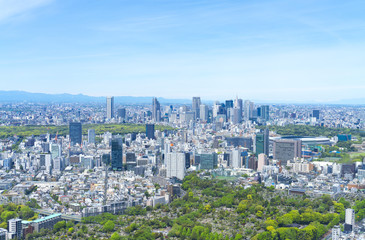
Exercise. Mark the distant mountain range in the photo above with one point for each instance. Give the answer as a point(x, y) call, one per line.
point(22, 96)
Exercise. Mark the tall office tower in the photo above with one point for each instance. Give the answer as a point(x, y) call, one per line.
point(238, 104)
point(75, 129)
point(110, 107)
point(229, 104)
point(229, 108)
point(187, 160)
point(207, 160)
point(15, 226)
point(265, 112)
point(252, 163)
point(175, 165)
point(316, 114)
point(262, 142)
point(56, 150)
point(150, 131)
point(287, 149)
point(43, 158)
point(204, 112)
point(349, 220)
point(45, 147)
point(236, 116)
point(262, 161)
point(196, 107)
point(216, 109)
point(91, 136)
point(336, 233)
point(58, 164)
point(235, 158)
point(117, 153)
point(248, 110)
point(48, 163)
point(122, 113)
point(156, 110)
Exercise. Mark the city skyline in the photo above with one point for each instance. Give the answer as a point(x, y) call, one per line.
point(273, 51)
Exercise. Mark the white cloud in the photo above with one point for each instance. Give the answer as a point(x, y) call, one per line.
point(13, 8)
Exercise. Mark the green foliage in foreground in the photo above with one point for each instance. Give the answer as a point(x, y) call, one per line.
point(11, 210)
point(36, 130)
point(218, 209)
point(306, 130)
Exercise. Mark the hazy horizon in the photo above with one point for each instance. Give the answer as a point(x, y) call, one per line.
point(282, 51)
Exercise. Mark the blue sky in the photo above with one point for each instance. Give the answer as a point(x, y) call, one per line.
point(300, 51)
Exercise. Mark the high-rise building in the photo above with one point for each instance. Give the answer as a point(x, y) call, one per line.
point(262, 142)
point(287, 149)
point(56, 150)
point(110, 107)
point(235, 158)
point(207, 160)
point(236, 116)
point(187, 160)
point(156, 110)
point(349, 220)
point(45, 147)
point(229, 104)
point(175, 165)
point(262, 161)
point(58, 164)
point(252, 162)
point(15, 226)
point(265, 112)
point(248, 109)
point(91, 136)
point(75, 129)
point(204, 112)
point(196, 107)
point(117, 153)
point(316, 114)
point(122, 113)
point(150, 131)
point(238, 104)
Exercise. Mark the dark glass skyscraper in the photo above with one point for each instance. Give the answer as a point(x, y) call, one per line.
point(316, 114)
point(229, 104)
point(265, 112)
point(262, 142)
point(150, 131)
point(75, 129)
point(117, 154)
point(208, 160)
point(122, 113)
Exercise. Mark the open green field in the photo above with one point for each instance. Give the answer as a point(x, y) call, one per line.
point(305, 130)
point(36, 130)
point(357, 155)
point(345, 157)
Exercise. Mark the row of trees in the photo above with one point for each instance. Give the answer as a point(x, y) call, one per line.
point(36, 130)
